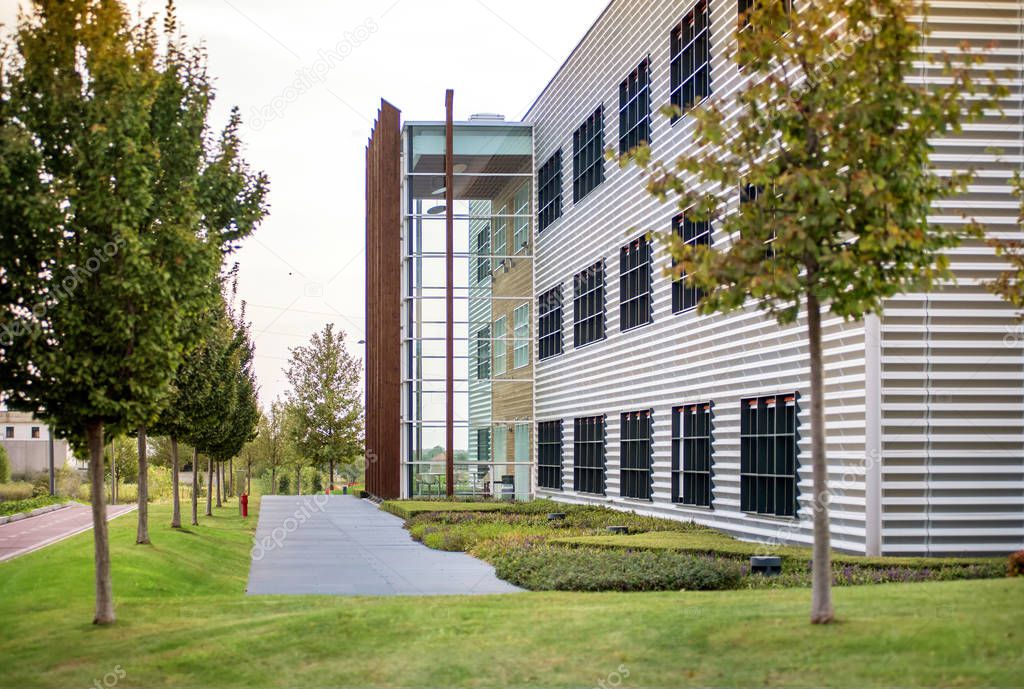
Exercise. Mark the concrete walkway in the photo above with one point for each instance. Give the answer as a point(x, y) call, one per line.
point(21, 537)
point(342, 545)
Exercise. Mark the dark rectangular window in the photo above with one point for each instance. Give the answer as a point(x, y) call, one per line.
point(588, 305)
point(549, 454)
point(750, 193)
point(9, 432)
point(588, 455)
point(635, 108)
point(690, 50)
point(483, 250)
point(588, 155)
point(549, 323)
point(549, 191)
point(768, 448)
point(635, 284)
point(685, 296)
point(691, 454)
point(483, 353)
point(35, 431)
point(483, 445)
point(636, 479)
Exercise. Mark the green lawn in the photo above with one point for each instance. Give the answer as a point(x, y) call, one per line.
point(183, 621)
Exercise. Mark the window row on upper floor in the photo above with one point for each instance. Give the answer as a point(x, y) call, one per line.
point(689, 68)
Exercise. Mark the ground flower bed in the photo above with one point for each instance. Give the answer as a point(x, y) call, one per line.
point(577, 553)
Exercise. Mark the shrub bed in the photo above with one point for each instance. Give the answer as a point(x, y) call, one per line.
point(532, 563)
point(10, 507)
point(17, 490)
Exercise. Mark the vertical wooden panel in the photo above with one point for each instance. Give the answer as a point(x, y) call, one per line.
point(383, 304)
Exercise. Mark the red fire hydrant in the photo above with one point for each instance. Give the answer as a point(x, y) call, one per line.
point(244, 500)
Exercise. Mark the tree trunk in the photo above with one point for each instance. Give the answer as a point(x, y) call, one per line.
point(113, 475)
point(218, 469)
point(195, 487)
point(231, 477)
point(142, 535)
point(209, 487)
point(821, 575)
point(330, 488)
point(273, 480)
point(248, 477)
point(175, 484)
point(298, 480)
point(104, 589)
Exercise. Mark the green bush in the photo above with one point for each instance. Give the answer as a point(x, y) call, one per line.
point(18, 490)
point(1015, 565)
point(17, 506)
point(41, 485)
point(531, 563)
point(68, 482)
point(5, 465)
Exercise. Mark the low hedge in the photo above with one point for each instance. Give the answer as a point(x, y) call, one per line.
point(407, 509)
point(702, 541)
point(10, 507)
point(539, 566)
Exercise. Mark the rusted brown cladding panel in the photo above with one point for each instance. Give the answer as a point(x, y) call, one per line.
point(383, 304)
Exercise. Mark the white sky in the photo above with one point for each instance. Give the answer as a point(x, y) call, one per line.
point(304, 267)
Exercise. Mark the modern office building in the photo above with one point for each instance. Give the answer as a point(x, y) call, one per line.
point(546, 352)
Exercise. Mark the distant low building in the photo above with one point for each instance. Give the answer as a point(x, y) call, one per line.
point(27, 441)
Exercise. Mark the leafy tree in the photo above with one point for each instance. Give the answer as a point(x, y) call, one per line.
point(829, 155)
point(1010, 283)
point(271, 449)
point(326, 399)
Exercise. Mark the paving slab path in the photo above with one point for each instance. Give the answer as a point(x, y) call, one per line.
point(24, 536)
point(341, 545)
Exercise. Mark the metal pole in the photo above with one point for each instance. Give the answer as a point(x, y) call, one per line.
point(449, 194)
point(52, 482)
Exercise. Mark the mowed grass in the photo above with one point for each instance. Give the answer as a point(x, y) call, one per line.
point(184, 621)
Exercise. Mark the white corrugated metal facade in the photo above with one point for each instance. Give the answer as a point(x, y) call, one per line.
point(935, 390)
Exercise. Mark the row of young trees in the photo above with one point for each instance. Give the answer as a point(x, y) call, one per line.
point(118, 208)
point(828, 142)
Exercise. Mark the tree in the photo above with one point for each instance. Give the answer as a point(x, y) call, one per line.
point(829, 156)
point(270, 450)
point(89, 299)
point(326, 399)
point(1010, 283)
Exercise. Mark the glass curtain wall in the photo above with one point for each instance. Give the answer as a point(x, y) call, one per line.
point(493, 286)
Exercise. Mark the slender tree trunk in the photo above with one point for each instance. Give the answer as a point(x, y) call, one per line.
point(273, 480)
point(142, 535)
point(113, 475)
point(330, 488)
point(104, 589)
point(175, 485)
point(195, 487)
point(821, 576)
point(218, 469)
point(298, 480)
point(231, 477)
point(209, 487)
point(248, 476)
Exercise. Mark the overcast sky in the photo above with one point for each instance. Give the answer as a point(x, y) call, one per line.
point(308, 76)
